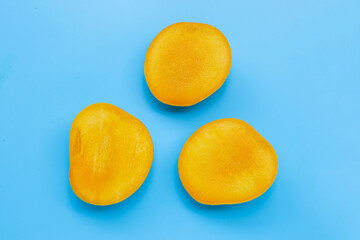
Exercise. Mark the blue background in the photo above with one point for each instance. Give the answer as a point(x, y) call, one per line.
point(295, 77)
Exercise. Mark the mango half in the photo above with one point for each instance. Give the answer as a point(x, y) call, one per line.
point(186, 63)
point(227, 162)
point(110, 154)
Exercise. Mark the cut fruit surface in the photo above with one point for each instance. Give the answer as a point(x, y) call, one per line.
point(227, 162)
point(110, 154)
point(186, 63)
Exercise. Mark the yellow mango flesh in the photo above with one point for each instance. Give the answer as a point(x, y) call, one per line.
point(227, 162)
point(110, 154)
point(186, 63)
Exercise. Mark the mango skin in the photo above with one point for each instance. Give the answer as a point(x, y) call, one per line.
point(110, 154)
point(186, 63)
point(227, 162)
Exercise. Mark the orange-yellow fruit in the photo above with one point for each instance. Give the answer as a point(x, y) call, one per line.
point(186, 63)
point(111, 153)
point(227, 162)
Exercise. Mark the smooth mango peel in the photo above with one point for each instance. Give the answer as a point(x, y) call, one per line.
point(227, 162)
point(111, 153)
point(186, 63)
